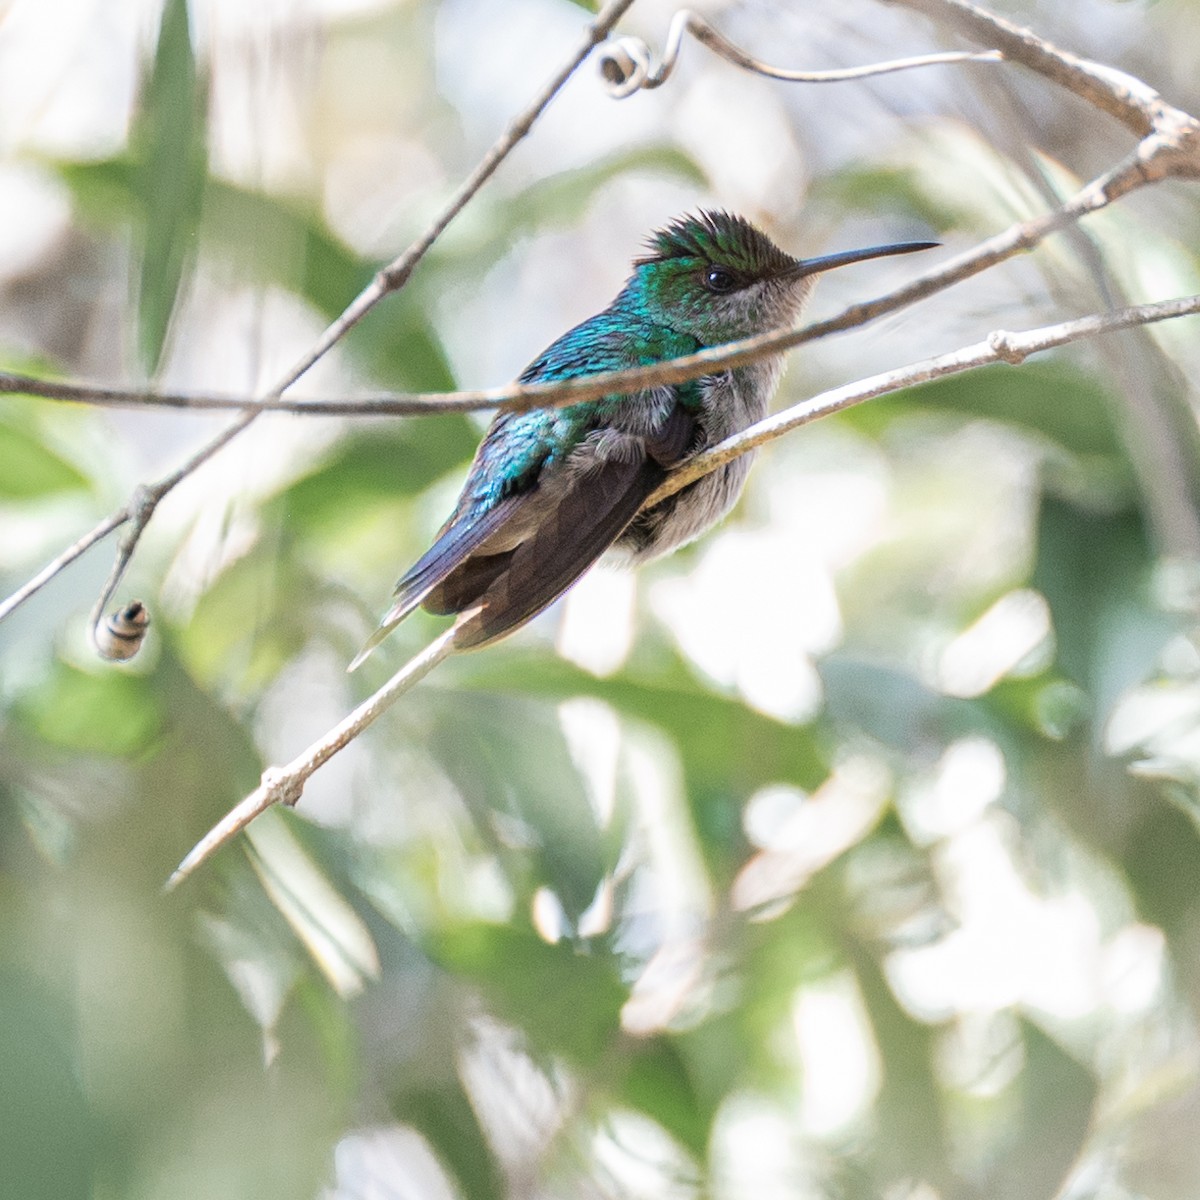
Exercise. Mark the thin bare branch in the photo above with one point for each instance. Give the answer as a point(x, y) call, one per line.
point(284, 785)
point(60, 562)
point(397, 273)
point(146, 499)
point(629, 66)
point(138, 512)
point(1132, 101)
point(1019, 237)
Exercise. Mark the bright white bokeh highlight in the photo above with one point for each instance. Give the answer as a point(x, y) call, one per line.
point(751, 615)
point(996, 644)
point(799, 834)
point(1011, 947)
point(839, 1062)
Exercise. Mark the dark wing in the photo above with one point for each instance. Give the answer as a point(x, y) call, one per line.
point(466, 584)
point(570, 537)
point(564, 545)
point(453, 548)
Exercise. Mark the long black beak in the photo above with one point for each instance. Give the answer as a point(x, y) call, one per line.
point(827, 262)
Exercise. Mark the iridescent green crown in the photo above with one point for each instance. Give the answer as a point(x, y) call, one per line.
point(718, 237)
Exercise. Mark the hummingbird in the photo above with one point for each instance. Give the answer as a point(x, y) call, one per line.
point(551, 490)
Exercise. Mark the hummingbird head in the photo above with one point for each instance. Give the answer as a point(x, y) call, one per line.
point(717, 278)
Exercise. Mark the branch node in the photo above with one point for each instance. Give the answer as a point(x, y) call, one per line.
point(393, 277)
point(1002, 344)
point(142, 504)
point(1173, 149)
point(282, 786)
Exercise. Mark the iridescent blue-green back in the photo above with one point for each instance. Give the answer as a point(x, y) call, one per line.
point(518, 446)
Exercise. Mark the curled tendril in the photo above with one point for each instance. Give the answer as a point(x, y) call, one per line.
point(627, 64)
point(119, 636)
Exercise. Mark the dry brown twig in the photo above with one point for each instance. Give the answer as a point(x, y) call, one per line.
point(520, 397)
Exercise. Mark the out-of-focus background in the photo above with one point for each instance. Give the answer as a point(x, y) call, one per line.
point(851, 852)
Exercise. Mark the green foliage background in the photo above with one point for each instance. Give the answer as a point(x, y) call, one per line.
point(559, 930)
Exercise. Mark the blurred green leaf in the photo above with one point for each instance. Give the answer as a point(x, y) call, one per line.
point(29, 468)
point(1094, 570)
point(49, 1140)
point(106, 712)
point(1162, 858)
point(893, 706)
point(242, 627)
point(563, 198)
point(379, 464)
point(272, 240)
point(912, 1132)
point(102, 190)
point(444, 1116)
point(1049, 706)
point(877, 189)
point(567, 1002)
point(727, 749)
point(168, 147)
point(510, 761)
point(658, 1083)
point(1056, 1098)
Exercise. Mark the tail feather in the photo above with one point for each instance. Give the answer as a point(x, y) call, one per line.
point(585, 523)
point(394, 616)
point(454, 546)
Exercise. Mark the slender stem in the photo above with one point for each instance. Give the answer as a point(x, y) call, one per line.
point(1133, 102)
point(59, 563)
point(397, 273)
point(284, 785)
point(629, 66)
point(138, 512)
point(1017, 238)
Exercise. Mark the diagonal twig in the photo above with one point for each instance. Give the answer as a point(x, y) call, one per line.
point(1130, 100)
point(284, 785)
point(628, 65)
point(999, 347)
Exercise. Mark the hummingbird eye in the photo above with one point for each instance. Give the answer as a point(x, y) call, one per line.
point(720, 280)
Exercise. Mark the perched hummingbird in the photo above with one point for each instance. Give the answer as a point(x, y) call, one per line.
point(551, 490)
